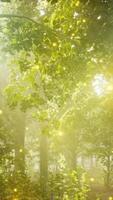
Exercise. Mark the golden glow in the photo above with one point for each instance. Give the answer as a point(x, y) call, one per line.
point(36, 67)
point(27, 128)
point(15, 189)
point(60, 133)
point(99, 17)
point(1, 112)
point(54, 44)
point(92, 179)
point(110, 198)
point(73, 34)
point(84, 20)
point(77, 3)
point(20, 150)
point(109, 88)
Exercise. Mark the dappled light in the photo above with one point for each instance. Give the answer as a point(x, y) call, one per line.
point(98, 84)
point(56, 100)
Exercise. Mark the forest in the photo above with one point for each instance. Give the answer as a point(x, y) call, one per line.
point(56, 99)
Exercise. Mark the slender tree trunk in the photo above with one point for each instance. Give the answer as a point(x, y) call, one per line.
point(71, 159)
point(83, 161)
point(91, 159)
point(19, 143)
point(20, 154)
point(108, 173)
point(43, 164)
point(74, 161)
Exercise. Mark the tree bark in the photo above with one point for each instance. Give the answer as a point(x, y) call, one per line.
point(108, 172)
point(19, 142)
point(43, 164)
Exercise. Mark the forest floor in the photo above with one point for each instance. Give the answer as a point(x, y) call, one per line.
point(98, 192)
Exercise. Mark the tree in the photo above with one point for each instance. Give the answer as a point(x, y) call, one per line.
point(53, 57)
point(97, 128)
point(47, 80)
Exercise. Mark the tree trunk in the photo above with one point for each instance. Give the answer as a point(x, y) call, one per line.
point(108, 172)
point(71, 159)
point(19, 142)
point(43, 164)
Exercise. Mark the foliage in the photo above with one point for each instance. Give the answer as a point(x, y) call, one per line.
point(67, 185)
point(60, 72)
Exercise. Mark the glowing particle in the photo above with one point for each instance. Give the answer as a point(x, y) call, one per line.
point(60, 133)
point(27, 128)
point(101, 61)
point(92, 179)
point(110, 198)
point(1, 112)
point(72, 46)
point(77, 3)
point(84, 20)
point(99, 17)
point(54, 44)
point(73, 34)
point(20, 150)
point(15, 189)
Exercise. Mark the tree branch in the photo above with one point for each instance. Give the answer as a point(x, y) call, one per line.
point(61, 35)
point(18, 16)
